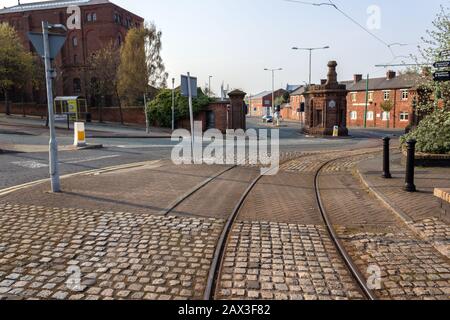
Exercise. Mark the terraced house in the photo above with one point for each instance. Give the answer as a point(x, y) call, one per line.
point(398, 91)
point(101, 23)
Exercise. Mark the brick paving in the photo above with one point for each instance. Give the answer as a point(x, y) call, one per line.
point(268, 260)
point(420, 205)
point(145, 189)
point(410, 266)
point(118, 255)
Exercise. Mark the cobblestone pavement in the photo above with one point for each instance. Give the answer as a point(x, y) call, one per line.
point(222, 193)
point(117, 255)
point(409, 266)
point(284, 262)
point(145, 189)
point(418, 206)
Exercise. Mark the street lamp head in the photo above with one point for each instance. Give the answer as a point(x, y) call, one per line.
point(327, 47)
point(294, 48)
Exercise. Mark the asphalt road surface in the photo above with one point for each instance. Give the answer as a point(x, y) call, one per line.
point(19, 168)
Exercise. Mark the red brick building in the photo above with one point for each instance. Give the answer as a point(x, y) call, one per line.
point(261, 104)
point(295, 109)
point(398, 89)
point(101, 23)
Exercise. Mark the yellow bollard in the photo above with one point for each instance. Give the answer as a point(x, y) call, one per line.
point(79, 135)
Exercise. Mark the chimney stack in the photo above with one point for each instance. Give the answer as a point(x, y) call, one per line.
point(357, 78)
point(332, 75)
point(391, 75)
point(323, 81)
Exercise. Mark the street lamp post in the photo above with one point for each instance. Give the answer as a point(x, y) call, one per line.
point(209, 87)
point(273, 86)
point(310, 58)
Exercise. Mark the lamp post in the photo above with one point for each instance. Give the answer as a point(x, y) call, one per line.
point(310, 57)
point(209, 87)
point(273, 86)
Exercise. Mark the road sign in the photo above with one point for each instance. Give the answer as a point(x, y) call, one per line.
point(442, 64)
point(445, 53)
point(442, 76)
point(56, 43)
point(185, 88)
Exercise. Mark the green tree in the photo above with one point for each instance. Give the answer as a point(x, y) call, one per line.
point(16, 64)
point(141, 64)
point(436, 41)
point(159, 110)
point(387, 107)
point(103, 68)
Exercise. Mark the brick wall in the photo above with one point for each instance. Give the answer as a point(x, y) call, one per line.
point(26, 109)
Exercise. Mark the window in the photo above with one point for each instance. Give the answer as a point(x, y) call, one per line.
point(354, 96)
point(94, 17)
point(353, 115)
point(405, 94)
point(387, 95)
point(370, 115)
point(75, 41)
point(404, 116)
point(386, 116)
point(75, 59)
point(76, 85)
point(371, 96)
point(119, 40)
point(89, 17)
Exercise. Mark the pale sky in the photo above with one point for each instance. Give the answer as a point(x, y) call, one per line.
point(234, 40)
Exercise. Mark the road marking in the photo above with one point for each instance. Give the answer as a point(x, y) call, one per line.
point(75, 161)
point(30, 164)
point(9, 190)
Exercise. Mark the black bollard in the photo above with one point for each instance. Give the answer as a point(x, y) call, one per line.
point(386, 158)
point(410, 166)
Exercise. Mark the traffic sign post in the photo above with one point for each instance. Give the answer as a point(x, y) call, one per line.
point(48, 46)
point(189, 89)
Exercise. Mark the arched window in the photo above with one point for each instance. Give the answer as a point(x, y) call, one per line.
point(89, 17)
point(75, 41)
point(94, 17)
point(76, 85)
point(119, 40)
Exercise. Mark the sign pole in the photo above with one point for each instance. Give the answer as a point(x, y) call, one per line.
point(191, 112)
point(173, 104)
point(53, 144)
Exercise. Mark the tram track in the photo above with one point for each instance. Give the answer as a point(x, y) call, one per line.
point(212, 285)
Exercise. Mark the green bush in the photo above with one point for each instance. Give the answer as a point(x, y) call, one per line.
point(159, 110)
point(432, 134)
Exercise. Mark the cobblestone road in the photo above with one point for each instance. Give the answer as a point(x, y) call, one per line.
point(43, 253)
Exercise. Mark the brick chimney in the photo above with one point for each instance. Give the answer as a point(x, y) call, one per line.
point(391, 75)
point(357, 78)
point(332, 75)
point(323, 81)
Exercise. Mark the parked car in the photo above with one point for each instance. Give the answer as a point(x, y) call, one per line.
point(267, 119)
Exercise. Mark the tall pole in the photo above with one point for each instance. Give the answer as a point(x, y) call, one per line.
point(209, 87)
point(273, 92)
point(310, 66)
point(367, 102)
point(173, 104)
point(53, 144)
point(191, 113)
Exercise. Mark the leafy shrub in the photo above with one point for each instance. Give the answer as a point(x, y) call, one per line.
point(432, 134)
point(159, 110)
